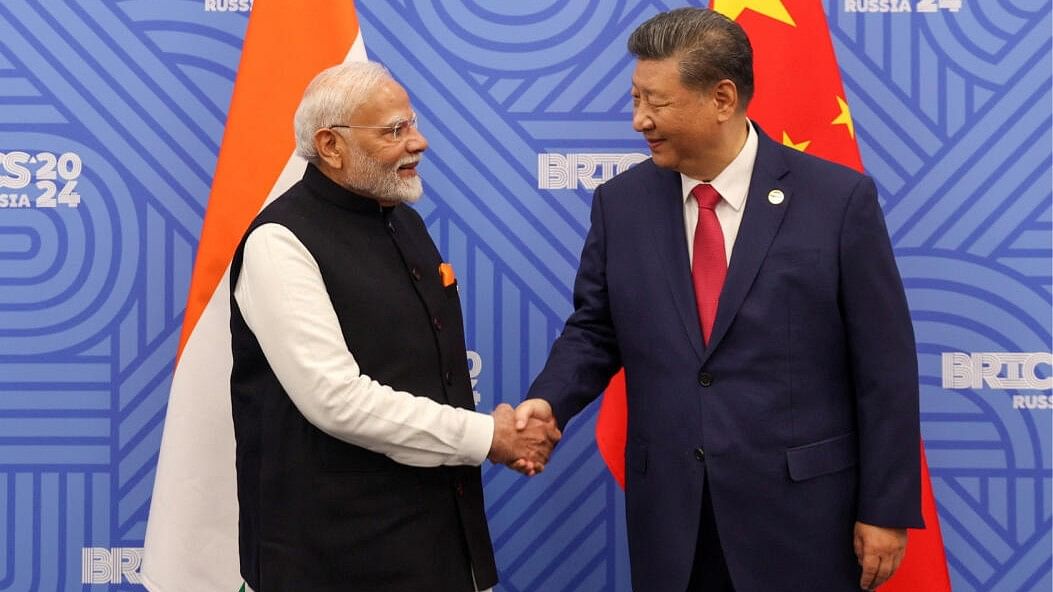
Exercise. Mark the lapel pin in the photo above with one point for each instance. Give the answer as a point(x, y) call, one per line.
point(776, 197)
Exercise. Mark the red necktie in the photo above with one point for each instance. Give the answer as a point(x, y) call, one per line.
point(710, 264)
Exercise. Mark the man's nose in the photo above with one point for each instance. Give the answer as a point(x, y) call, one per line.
point(642, 121)
point(415, 141)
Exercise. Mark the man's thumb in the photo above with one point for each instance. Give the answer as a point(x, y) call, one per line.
point(523, 413)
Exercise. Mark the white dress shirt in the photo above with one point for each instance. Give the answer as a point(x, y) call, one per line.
point(284, 302)
point(733, 184)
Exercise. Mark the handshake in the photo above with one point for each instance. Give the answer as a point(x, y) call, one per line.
point(524, 437)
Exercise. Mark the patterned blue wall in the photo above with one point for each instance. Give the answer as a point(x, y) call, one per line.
point(92, 296)
point(953, 117)
point(953, 113)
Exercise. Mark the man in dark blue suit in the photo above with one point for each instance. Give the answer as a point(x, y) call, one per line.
point(750, 292)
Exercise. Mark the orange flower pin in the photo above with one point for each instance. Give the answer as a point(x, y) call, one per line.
point(446, 274)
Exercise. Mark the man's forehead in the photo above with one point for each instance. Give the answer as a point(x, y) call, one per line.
point(391, 87)
point(656, 76)
point(389, 100)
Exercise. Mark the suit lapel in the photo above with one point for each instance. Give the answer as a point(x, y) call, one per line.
point(760, 223)
point(671, 246)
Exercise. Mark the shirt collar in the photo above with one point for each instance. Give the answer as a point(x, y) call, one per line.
point(733, 183)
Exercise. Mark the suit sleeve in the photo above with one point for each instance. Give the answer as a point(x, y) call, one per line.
point(585, 356)
point(884, 367)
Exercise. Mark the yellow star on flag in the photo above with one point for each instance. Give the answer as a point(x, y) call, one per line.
point(802, 146)
point(845, 118)
point(769, 8)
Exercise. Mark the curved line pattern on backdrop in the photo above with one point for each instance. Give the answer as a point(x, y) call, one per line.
point(953, 121)
point(541, 46)
point(139, 90)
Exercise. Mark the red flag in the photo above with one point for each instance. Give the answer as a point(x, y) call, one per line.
point(610, 427)
point(800, 102)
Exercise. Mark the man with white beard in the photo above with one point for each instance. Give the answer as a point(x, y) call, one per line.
point(358, 446)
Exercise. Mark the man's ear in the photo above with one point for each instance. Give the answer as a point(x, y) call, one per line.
point(726, 97)
point(330, 148)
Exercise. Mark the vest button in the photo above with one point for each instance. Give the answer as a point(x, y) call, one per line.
point(437, 323)
point(700, 455)
point(705, 379)
point(415, 273)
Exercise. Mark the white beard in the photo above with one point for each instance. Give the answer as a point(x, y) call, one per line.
point(369, 177)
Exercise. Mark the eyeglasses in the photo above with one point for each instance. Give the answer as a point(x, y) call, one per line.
point(397, 129)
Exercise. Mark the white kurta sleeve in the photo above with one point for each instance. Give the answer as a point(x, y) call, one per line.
point(284, 302)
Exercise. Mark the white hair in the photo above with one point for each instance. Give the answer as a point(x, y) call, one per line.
point(331, 98)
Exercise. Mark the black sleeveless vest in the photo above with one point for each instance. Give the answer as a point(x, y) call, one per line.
point(317, 513)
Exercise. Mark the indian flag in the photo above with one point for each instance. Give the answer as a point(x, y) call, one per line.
point(192, 533)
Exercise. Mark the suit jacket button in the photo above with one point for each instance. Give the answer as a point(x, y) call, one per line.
point(460, 488)
point(448, 377)
point(415, 273)
point(437, 323)
point(705, 378)
point(700, 455)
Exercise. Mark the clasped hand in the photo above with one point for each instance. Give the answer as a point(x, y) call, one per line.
point(524, 437)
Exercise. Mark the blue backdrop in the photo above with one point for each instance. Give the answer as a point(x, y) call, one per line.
point(111, 117)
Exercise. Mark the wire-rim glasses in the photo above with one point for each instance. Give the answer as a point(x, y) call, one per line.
point(397, 129)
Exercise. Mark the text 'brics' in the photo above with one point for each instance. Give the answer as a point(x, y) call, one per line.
point(588, 170)
point(999, 370)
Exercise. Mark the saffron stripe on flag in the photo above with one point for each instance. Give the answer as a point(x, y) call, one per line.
point(286, 44)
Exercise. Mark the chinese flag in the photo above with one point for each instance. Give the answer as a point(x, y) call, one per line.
point(799, 101)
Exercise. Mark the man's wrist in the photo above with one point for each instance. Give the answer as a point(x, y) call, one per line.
point(477, 440)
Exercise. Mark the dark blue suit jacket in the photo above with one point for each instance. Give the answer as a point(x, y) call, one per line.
point(803, 410)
